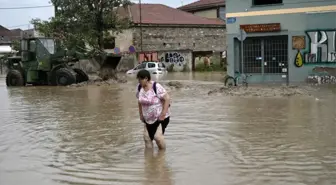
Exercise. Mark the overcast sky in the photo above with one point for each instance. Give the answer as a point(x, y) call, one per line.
point(19, 18)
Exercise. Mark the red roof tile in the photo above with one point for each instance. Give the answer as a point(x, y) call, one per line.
point(162, 14)
point(202, 4)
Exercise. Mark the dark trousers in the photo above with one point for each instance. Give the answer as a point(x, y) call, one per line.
point(151, 128)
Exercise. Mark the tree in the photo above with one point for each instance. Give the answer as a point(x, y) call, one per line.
point(85, 21)
point(16, 45)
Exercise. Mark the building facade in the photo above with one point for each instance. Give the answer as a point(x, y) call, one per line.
point(171, 36)
point(287, 41)
point(5, 36)
point(206, 8)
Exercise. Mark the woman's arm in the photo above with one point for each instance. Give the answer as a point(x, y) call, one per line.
point(166, 102)
point(165, 98)
point(140, 109)
point(139, 104)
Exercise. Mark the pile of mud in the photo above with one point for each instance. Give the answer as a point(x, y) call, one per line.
point(211, 88)
point(264, 91)
point(102, 80)
point(216, 89)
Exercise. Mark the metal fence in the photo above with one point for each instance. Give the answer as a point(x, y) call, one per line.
point(266, 55)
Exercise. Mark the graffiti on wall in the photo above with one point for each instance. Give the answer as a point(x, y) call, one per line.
point(322, 75)
point(175, 58)
point(298, 43)
point(152, 56)
point(322, 47)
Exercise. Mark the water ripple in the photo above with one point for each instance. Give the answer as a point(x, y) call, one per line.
point(93, 136)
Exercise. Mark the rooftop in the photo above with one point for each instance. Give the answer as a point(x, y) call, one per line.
point(164, 15)
point(5, 32)
point(202, 4)
point(16, 32)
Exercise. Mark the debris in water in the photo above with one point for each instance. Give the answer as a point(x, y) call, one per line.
point(106, 76)
point(262, 91)
point(175, 84)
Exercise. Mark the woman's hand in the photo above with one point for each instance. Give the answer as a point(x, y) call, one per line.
point(162, 117)
point(165, 106)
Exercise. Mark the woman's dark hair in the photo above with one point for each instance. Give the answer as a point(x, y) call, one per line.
point(144, 74)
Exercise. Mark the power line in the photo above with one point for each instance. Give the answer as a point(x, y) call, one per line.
point(25, 7)
point(16, 26)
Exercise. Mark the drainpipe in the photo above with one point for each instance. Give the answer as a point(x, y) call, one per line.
point(140, 9)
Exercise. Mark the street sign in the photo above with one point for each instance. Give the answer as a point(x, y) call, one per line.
point(131, 49)
point(242, 35)
point(116, 50)
point(231, 20)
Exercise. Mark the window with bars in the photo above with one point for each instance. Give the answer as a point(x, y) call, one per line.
point(266, 2)
point(265, 54)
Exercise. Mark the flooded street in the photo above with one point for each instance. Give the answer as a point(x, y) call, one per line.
point(92, 135)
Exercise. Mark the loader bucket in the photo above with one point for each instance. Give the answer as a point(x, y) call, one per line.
point(111, 62)
point(109, 66)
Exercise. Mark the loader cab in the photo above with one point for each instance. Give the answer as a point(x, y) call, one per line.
point(33, 47)
point(28, 50)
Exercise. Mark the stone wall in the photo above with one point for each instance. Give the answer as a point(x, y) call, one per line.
point(173, 45)
point(124, 40)
point(181, 38)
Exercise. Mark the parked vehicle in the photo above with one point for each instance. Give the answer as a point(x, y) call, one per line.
point(152, 67)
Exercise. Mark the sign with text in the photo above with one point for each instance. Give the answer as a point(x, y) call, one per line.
point(231, 20)
point(272, 27)
point(148, 56)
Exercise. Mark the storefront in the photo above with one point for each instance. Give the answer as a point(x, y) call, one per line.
point(284, 45)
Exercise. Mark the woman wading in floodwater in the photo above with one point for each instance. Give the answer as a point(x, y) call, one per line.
point(153, 101)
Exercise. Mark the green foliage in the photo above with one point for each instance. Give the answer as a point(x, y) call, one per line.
point(16, 45)
point(81, 23)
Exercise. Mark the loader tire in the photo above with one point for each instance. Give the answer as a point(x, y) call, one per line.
point(65, 77)
point(14, 78)
point(81, 76)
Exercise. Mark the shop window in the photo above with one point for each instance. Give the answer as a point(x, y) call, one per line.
point(266, 2)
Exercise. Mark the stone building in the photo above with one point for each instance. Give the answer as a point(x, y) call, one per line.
point(206, 8)
point(285, 42)
point(171, 36)
point(5, 36)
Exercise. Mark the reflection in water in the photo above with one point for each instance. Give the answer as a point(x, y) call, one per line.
point(92, 135)
point(157, 172)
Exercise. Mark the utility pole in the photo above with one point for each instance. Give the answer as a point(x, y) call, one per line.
point(55, 3)
point(55, 10)
point(140, 11)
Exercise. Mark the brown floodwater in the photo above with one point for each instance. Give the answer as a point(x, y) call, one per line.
point(92, 136)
